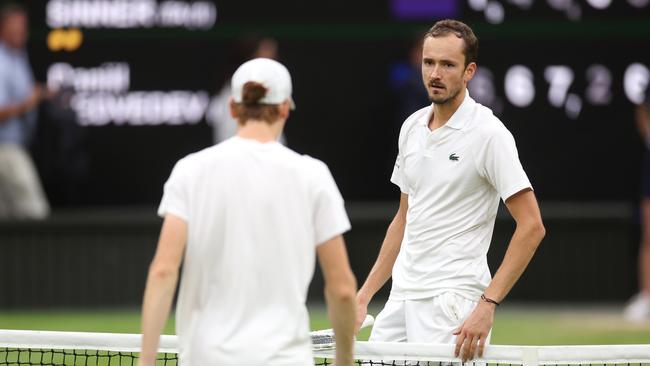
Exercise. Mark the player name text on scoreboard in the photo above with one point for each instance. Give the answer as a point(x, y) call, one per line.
point(130, 14)
point(102, 96)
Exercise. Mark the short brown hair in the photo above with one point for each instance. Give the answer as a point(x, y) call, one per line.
point(460, 30)
point(10, 8)
point(251, 108)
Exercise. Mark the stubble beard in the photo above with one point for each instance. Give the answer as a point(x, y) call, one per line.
point(442, 100)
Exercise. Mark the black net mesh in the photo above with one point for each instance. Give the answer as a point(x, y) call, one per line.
point(58, 357)
point(324, 362)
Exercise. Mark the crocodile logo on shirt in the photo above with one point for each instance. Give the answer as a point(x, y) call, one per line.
point(453, 157)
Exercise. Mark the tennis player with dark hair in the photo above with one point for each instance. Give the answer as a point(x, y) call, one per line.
point(455, 160)
point(249, 215)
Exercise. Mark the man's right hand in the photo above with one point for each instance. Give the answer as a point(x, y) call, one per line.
point(34, 98)
point(362, 311)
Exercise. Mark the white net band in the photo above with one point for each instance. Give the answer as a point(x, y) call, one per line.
point(16, 342)
point(117, 342)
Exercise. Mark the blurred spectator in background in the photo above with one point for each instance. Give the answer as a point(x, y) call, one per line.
point(406, 82)
point(218, 115)
point(60, 150)
point(21, 194)
point(638, 309)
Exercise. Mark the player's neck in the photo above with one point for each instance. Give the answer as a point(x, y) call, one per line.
point(261, 131)
point(443, 112)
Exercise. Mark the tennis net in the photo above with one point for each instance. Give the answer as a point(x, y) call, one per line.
point(18, 348)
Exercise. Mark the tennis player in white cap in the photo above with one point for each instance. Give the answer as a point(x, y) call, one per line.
point(248, 216)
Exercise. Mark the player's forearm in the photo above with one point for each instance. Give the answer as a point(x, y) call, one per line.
point(158, 297)
point(383, 267)
point(12, 111)
point(341, 304)
point(522, 247)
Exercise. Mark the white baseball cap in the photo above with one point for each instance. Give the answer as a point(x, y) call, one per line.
point(270, 73)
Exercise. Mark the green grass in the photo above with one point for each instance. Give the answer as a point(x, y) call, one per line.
point(574, 326)
point(109, 321)
point(513, 325)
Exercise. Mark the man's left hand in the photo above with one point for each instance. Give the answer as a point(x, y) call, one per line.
point(474, 331)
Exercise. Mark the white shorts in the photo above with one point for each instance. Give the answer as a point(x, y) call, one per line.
point(429, 320)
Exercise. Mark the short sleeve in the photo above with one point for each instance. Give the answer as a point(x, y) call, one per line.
point(175, 195)
point(500, 164)
point(330, 218)
point(398, 177)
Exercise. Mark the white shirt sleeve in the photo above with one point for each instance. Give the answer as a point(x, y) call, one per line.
point(330, 218)
point(175, 195)
point(501, 166)
point(398, 177)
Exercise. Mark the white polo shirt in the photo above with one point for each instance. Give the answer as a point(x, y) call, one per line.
point(255, 213)
point(454, 177)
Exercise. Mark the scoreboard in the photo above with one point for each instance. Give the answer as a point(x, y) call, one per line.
point(141, 76)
